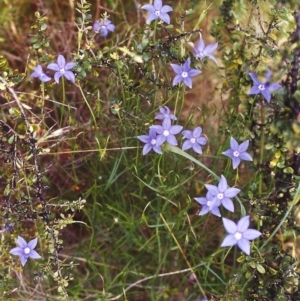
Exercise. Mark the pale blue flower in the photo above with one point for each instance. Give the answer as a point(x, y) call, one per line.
point(201, 51)
point(237, 152)
point(103, 26)
point(151, 142)
point(158, 11)
point(164, 113)
point(222, 193)
point(194, 140)
point(184, 73)
point(62, 69)
point(264, 88)
point(239, 234)
point(167, 132)
point(206, 203)
point(39, 73)
point(25, 250)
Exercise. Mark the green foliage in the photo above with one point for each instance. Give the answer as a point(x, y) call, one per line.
point(115, 225)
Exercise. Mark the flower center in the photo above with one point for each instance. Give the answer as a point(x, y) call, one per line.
point(261, 87)
point(184, 74)
point(220, 196)
point(27, 250)
point(208, 203)
point(166, 133)
point(62, 70)
point(153, 141)
point(103, 26)
point(193, 140)
point(157, 13)
point(236, 153)
point(238, 235)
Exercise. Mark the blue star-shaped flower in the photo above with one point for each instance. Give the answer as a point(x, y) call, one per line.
point(62, 69)
point(167, 132)
point(206, 203)
point(164, 112)
point(39, 73)
point(158, 11)
point(194, 140)
point(201, 51)
point(184, 73)
point(239, 234)
point(237, 152)
point(151, 142)
point(264, 88)
point(25, 250)
point(223, 193)
point(103, 27)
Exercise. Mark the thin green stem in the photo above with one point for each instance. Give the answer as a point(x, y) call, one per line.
point(43, 100)
point(87, 103)
point(182, 253)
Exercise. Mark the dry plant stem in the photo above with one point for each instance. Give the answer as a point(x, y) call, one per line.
point(191, 269)
point(183, 255)
point(262, 144)
point(13, 93)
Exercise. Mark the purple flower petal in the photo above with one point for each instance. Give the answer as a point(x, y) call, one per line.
point(34, 255)
point(194, 72)
point(243, 224)
point(251, 234)
point(231, 192)
point(222, 184)
point(243, 146)
point(197, 148)
point(229, 241)
point(148, 7)
point(233, 144)
point(21, 242)
point(53, 66)
point(229, 225)
point(32, 244)
point(57, 75)
point(175, 129)
point(187, 145)
point(166, 9)
point(188, 82)
point(212, 189)
point(151, 17)
point(244, 245)
point(246, 157)
point(172, 140)
point(23, 259)
point(165, 17)
point(254, 78)
point(235, 162)
point(266, 94)
point(16, 251)
point(61, 62)
point(228, 204)
point(70, 76)
point(70, 65)
point(157, 4)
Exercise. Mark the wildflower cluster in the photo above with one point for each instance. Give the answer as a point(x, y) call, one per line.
point(221, 194)
point(61, 68)
point(159, 134)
